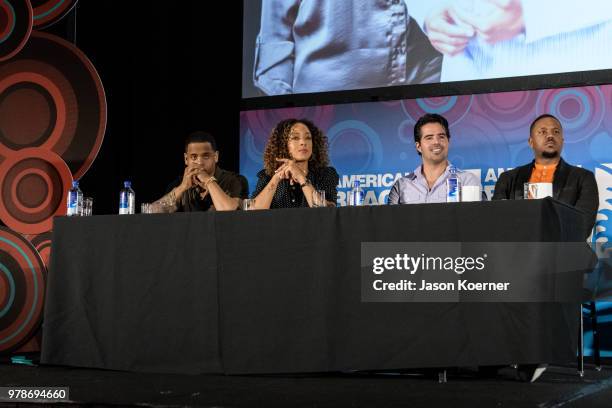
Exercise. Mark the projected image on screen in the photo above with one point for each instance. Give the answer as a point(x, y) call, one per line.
point(305, 46)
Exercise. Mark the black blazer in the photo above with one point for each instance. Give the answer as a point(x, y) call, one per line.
point(571, 185)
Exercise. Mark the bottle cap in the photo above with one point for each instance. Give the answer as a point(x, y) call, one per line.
point(75, 183)
point(356, 183)
point(127, 184)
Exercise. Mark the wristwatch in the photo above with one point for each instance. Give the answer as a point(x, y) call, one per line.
point(212, 178)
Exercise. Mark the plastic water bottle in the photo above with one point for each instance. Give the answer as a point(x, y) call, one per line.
point(355, 195)
point(453, 186)
point(127, 199)
point(75, 200)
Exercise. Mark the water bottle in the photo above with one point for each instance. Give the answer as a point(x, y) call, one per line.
point(75, 200)
point(127, 199)
point(453, 186)
point(355, 195)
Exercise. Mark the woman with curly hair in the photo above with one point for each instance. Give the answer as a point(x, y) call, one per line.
point(295, 166)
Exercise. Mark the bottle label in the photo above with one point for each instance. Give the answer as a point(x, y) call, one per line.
point(127, 202)
point(72, 204)
point(123, 203)
point(356, 198)
point(453, 190)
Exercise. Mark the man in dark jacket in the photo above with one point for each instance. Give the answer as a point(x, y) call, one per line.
point(571, 185)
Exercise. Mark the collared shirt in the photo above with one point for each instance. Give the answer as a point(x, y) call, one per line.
point(326, 45)
point(559, 36)
point(234, 185)
point(543, 173)
point(413, 188)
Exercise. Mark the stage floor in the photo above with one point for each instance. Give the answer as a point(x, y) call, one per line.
point(558, 387)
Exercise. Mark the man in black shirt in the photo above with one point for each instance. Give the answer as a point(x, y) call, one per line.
point(204, 186)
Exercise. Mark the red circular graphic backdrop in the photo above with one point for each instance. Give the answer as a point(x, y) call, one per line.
point(22, 290)
point(34, 185)
point(47, 12)
point(15, 26)
point(51, 97)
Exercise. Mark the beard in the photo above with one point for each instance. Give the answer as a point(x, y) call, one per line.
point(550, 155)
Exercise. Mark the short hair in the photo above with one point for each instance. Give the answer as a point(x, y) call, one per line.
point(201, 137)
point(429, 118)
point(542, 116)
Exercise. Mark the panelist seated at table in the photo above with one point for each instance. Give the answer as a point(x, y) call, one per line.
point(570, 184)
point(427, 183)
point(203, 186)
point(295, 166)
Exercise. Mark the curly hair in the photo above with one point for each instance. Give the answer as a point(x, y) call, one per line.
point(277, 145)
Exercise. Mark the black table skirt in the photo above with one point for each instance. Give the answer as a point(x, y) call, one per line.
point(280, 292)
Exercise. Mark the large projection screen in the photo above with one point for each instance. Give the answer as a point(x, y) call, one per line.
point(313, 46)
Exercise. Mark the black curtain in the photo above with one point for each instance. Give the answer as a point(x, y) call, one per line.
point(168, 69)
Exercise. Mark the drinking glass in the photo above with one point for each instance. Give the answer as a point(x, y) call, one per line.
point(87, 206)
point(248, 204)
point(146, 208)
point(318, 198)
point(537, 190)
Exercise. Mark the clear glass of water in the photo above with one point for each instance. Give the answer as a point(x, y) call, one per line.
point(318, 198)
point(87, 206)
point(526, 192)
point(248, 204)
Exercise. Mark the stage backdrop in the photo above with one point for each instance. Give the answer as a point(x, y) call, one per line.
point(373, 142)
